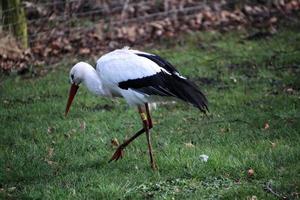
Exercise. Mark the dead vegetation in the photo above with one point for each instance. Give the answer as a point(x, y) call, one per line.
point(86, 28)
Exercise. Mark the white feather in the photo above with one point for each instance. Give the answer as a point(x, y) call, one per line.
point(122, 65)
point(115, 67)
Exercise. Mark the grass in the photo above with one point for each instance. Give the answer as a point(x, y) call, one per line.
point(254, 92)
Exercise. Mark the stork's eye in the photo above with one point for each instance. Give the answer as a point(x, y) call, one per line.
point(72, 76)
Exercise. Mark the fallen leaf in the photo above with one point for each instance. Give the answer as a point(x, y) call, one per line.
point(84, 51)
point(11, 189)
point(253, 197)
point(273, 20)
point(131, 33)
point(233, 79)
point(67, 135)
point(114, 142)
point(273, 144)
point(289, 90)
point(50, 130)
point(51, 43)
point(82, 125)
point(223, 130)
point(50, 162)
point(50, 152)
point(250, 172)
point(266, 126)
point(189, 144)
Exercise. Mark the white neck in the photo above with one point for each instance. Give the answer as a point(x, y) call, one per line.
point(93, 82)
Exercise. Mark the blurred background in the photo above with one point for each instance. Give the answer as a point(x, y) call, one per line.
point(38, 32)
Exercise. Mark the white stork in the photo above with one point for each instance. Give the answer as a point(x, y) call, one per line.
point(140, 78)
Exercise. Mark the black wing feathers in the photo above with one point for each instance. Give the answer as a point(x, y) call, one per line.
point(160, 61)
point(151, 85)
point(164, 84)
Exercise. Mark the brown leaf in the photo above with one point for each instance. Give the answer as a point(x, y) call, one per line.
point(131, 33)
point(84, 51)
point(273, 20)
point(199, 18)
point(114, 142)
point(157, 25)
point(57, 44)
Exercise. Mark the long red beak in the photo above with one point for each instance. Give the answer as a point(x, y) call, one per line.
point(72, 94)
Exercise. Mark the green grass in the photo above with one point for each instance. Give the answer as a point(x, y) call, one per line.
point(248, 83)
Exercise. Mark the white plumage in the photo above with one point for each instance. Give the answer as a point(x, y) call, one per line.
point(140, 78)
point(122, 65)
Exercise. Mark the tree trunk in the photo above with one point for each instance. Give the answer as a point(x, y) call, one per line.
point(14, 19)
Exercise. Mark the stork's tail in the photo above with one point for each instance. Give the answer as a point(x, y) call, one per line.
point(188, 91)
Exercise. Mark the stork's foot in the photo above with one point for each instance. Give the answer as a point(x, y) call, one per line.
point(118, 154)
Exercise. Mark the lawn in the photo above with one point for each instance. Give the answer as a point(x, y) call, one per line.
point(253, 88)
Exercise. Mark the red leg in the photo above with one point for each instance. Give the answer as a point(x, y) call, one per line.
point(147, 126)
point(119, 152)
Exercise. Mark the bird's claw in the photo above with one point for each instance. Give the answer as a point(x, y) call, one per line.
point(118, 154)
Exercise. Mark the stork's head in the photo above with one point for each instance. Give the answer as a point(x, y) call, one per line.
point(76, 77)
point(77, 72)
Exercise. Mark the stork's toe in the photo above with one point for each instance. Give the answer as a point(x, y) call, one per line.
point(118, 154)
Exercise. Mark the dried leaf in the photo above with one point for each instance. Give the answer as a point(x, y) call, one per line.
point(189, 145)
point(11, 189)
point(51, 43)
point(82, 125)
point(50, 152)
point(253, 197)
point(114, 142)
point(84, 51)
point(233, 79)
point(250, 172)
point(266, 126)
point(289, 90)
point(273, 144)
point(50, 162)
point(131, 33)
point(50, 130)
